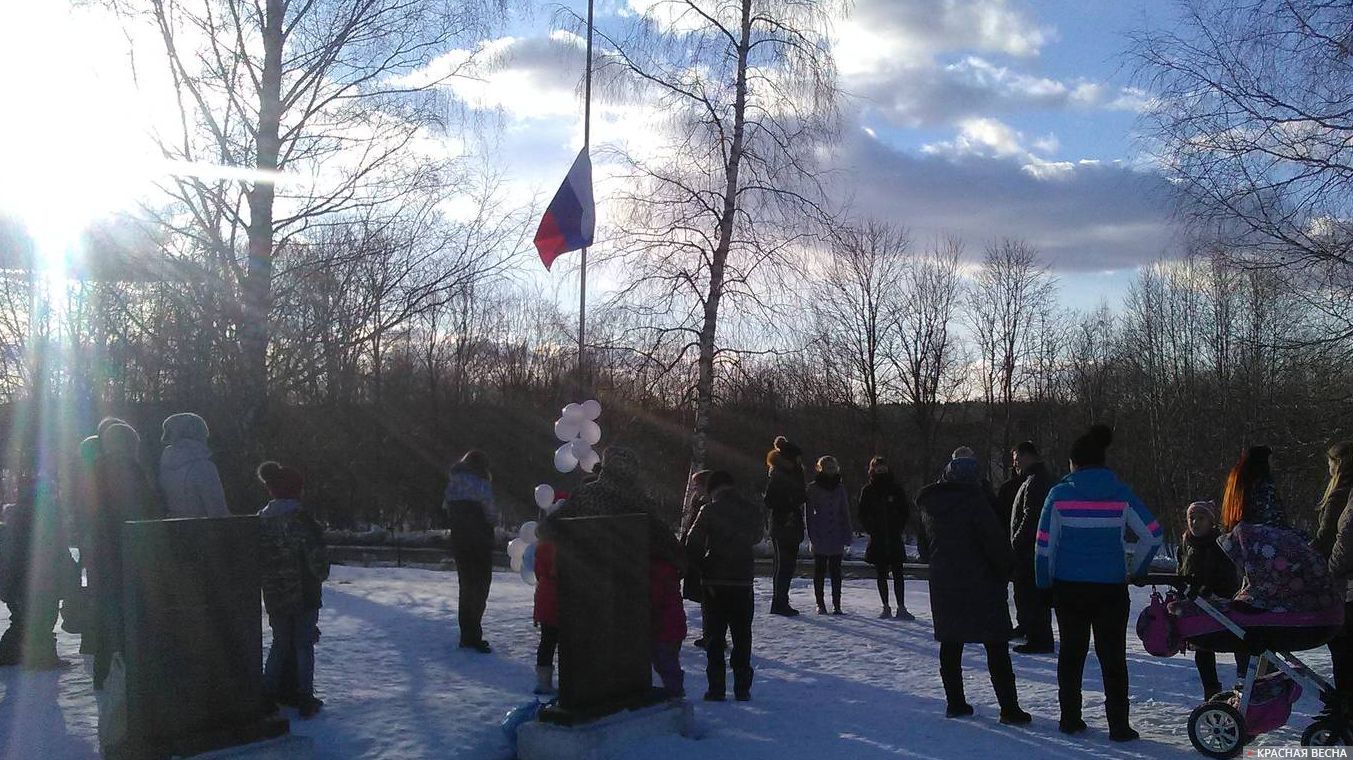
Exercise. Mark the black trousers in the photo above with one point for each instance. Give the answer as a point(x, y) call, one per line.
point(898, 584)
point(549, 642)
point(1033, 614)
point(474, 568)
point(786, 544)
point(1206, 662)
point(1002, 673)
point(729, 609)
point(1341, 657)
point(822, 564)
point(1100, 609)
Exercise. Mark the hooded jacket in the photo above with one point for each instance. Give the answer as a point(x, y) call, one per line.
point(784, 497)
point(188, 478)
point(1033, 492)
point(1082, 528)
point(969, 557)
point(1206, 566)
point(723, 538)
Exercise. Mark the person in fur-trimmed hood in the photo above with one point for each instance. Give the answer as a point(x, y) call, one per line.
point(188, 478)
point(784, 498)
point(827, 513)
point(1208, 571)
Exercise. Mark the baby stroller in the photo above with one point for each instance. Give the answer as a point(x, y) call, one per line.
point(1223, 725)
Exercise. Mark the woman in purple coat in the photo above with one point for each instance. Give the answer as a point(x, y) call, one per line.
point(827, 513)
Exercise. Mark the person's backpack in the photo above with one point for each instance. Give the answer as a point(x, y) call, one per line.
point(1156, 627)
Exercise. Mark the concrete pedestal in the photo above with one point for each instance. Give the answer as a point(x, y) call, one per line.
point(602, 739)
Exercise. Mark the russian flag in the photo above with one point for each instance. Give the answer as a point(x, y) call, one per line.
point(570, 221)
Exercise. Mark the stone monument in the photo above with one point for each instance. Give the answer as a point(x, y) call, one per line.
point(194, 646)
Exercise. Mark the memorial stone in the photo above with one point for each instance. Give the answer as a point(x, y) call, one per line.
point(194, 646)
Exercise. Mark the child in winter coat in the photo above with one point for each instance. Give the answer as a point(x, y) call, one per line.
point(666, 565)
point(827, 513)
point(546, 613)
point(1208, 571)
point(295, 566)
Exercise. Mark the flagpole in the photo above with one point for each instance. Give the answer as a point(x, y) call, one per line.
point(587, 143)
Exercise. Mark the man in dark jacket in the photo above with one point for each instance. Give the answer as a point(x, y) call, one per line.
point(885, 509)
point(1031, 605)
point(785, 494)
point(721, 544)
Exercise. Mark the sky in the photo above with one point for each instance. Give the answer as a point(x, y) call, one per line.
point(978, 118)
point(981, 118)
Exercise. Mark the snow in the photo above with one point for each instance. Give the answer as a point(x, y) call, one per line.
point(396, 686)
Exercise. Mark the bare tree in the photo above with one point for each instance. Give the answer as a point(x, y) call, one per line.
point(1011, 289)
point(854, 300)
point(293, 115)
point(721, 211)
point(926, 355)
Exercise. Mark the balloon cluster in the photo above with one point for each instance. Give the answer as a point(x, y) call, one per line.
point(521, 551)
point(577, 428)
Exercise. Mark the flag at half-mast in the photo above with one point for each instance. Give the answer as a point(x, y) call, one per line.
point(570, 221)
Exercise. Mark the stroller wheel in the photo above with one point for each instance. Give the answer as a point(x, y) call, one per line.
point(1217, 729)
point(1328, 733)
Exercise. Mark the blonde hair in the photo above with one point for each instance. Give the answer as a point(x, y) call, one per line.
point(1341, 454)
point(829, 465)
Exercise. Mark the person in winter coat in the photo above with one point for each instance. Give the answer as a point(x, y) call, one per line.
point(295, 566)
point(1337, 492)
point(1031, 605)
point(969, 569)
point(188, 478)
point(827, 514)
point(1341, 647)
point(784, 498)
point(35, 571)
point(472, 516)
point(1079, 555)
point(1208, 571)
point(697, 496)
point(666, 565)
point(546, 611)
point(124, 493)
point(885, 509)
point(722, 543)
point(1008, 490)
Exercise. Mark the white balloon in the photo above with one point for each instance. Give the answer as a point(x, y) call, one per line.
point(590, 432)
point(574, 412)
point(566, 428)
point(591, 409)
point(516, 548)
point(544, 496)
point(589, 460)
point(555, 507)
point(580, 449)
point(527, 532)
point(564, 458)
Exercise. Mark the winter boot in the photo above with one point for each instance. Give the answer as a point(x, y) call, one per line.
point(1211, 690)
point(903, 614)
point(1123, 733)
point(956, 704)
point(961, 710)
point(544, 680)
point(1071, 725)
point(887, 613)
point(1003, 682)
point(310, 707)
point(836, 610)
point(821, 608)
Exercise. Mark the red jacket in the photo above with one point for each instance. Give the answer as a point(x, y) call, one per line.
point(547, 585)
point(669, 616)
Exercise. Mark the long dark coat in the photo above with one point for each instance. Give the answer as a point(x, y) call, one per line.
point(884, 512)
point(970, 563)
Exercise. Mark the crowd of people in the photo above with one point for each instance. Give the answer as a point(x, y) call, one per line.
point(39, 576)
point(1070, 547)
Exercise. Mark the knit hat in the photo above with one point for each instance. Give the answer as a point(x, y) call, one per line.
point(964, 452)
point(1089, 450)
point(961, 470)
point(1210, 507)
point(282, 482)
point(787, 447)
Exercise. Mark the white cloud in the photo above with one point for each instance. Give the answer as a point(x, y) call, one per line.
point(982, 138)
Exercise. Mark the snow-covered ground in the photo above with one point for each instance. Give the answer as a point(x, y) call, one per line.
point(396, 686)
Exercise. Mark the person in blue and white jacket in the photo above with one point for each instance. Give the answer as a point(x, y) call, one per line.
point(1079, 555)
